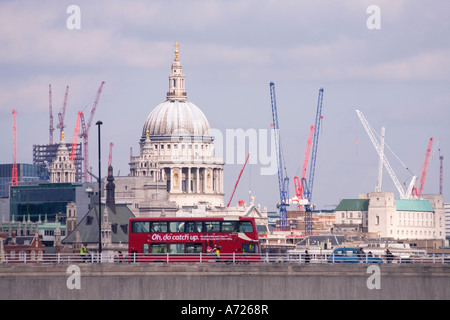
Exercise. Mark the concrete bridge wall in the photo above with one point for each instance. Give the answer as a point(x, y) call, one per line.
point(226, 282)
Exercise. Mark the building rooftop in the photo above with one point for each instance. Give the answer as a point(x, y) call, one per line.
point(400, 204)
point(88, 226)
point(353, 205)
point(413, 205)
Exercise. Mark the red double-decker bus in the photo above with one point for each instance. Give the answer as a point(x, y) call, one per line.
point(206, 239)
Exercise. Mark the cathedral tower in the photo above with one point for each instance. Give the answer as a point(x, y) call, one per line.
point(62, 168)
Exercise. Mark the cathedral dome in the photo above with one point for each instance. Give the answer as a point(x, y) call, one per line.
point(176, 118)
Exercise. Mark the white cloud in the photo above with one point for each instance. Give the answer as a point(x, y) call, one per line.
point(116, 36)
point(38, 36)
point(424, 66)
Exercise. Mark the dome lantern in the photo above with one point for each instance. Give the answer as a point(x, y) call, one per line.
point(177, 89)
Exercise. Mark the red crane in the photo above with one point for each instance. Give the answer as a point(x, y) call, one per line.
point(85, 131)
point(50, 129)
point(62, 113)
point(14, 175)
point(299, 182)
point(111, 145)
point(75, 138)
point(239, 178)
point(426, 162)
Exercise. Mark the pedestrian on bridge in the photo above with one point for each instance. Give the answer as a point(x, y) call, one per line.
point(83, 252)
point(217, 252)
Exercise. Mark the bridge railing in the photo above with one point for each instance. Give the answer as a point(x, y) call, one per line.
point(366, 258)
point(233, 258)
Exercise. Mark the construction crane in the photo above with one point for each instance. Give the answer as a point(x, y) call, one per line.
point(85, 131)
point(50, 128)
point(307, 187)
point(425, 164)
point(14, 174)
point(376, 144)
point(239, 178)
point(283, 180)
point(75, 138)
point(315, 143)
point(380, 162)
point(441, 173)
point(111, 145)
point(62, 113)
point(300, 188)
point(299, 182)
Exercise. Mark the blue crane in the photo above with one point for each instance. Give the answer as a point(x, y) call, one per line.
point(283, 180)
point(308, 187)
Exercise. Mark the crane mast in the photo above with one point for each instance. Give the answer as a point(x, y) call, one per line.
point(441, 174)
point(380, 163)
point(85, 131)
point(62, 113)
point(300, 186)
point(111, 145)
point(238, 179)
point(308, 187)
point(50, 128)
point(283, 180)
point(14, 175)
point(75, 138)
point(426, 162)
point(315, 144)
point(84, 135)
point(299, 183)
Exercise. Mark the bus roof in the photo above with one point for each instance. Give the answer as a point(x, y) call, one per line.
point(234, 218)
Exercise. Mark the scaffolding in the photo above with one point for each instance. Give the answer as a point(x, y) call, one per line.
point(43, 155)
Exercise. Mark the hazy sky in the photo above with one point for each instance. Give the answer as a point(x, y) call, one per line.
point(397, 75)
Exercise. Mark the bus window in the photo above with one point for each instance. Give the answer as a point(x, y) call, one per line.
point(193, 226)
point(145, 248)
point(229, 226)
point(159, 226)
point(249, 248)
point(212, 226)
point(176, 226)
point(156, 248)
point(193, 247)
point(141, 226)
point(175, 248)
point(245, 226)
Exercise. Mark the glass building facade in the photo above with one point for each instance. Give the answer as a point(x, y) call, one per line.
point(27, 173)
point(45, 199)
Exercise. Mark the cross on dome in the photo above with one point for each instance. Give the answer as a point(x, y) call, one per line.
point(176, 45)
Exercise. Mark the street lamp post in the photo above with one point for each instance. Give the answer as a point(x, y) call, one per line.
point(99, 123)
